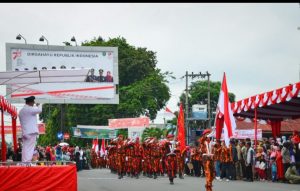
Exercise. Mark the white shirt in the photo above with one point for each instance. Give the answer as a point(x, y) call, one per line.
point(28, 119)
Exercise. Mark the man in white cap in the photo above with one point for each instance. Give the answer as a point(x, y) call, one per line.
point(28, 120)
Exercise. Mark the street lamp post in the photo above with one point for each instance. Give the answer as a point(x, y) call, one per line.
point(19, 38)
point(43, 38)
point(74, 40)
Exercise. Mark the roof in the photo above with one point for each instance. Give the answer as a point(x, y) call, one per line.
point(286, 125)
point(282, 103)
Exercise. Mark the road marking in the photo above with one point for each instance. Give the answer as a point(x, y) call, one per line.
point(102, 178)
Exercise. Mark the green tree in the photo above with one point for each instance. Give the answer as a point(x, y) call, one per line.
point(142, 91)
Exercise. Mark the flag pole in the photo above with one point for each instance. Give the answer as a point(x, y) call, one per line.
point(255, 127)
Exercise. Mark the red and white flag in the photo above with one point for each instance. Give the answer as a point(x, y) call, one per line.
point(95, 146)
point(224, 115)
point(102, 150)
point(169, 112)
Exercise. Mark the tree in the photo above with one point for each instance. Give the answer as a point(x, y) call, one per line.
point(142, 91)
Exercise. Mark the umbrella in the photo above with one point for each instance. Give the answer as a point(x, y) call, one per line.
point(63, 144)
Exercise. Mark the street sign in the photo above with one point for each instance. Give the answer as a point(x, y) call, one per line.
point(59, 135)
point(66, 136)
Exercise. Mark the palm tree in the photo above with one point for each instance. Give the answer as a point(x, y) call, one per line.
point(153, 132)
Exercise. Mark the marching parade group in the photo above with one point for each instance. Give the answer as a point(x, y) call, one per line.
point(154, 157)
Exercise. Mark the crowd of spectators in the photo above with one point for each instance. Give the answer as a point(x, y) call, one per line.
point(276, 160)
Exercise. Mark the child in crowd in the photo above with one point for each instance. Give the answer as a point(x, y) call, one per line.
point(262, 169)
point(273, 168)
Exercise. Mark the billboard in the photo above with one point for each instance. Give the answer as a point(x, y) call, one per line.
point(93, 133)
point(199, 112)
point(99, 87)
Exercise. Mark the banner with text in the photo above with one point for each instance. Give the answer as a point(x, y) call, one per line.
point(92, 133)
point(8, 129)
point(124, 123)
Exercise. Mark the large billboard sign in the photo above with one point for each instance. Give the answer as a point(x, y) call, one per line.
point(100, 85)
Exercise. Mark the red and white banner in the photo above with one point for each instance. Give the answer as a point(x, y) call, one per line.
point(128, 122)
point(264, 99)
point(102, 150)
point(95, 146)
point(8, 129)
point(248, 133)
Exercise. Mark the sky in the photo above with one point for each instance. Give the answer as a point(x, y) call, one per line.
point(256, 44)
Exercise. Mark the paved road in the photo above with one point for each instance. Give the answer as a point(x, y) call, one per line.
point(103, 180)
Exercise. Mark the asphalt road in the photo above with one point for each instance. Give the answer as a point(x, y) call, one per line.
point(103, 180)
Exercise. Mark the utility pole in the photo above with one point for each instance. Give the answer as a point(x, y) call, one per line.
point(187, 103)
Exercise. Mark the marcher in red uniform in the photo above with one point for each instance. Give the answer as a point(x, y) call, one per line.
point(171, 162)
point(208, 161)
point(120, 156)
point(180, 160)
point(137, 158)
point(155, 156)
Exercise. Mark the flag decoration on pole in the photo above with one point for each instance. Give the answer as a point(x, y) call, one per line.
point(224, 115)
point(102, 150)
point(181, 130)
point(95, 145)
point(168, 110)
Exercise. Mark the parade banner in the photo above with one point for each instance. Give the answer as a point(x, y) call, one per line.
point(8, 129)
point(98, 87)
point(124, 123)
point(248, 133)
point(91, 133)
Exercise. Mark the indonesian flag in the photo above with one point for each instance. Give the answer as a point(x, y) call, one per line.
point(95, 145)
point(102, 150)
point(224, 115)
point(181, 130)
point(168, 110)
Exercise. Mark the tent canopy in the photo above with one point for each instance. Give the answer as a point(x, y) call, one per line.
point(43, 76)
point(275, 105)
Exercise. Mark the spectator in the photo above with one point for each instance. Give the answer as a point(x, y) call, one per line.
point(249, 162)
point(292, 175)
point(279, 164)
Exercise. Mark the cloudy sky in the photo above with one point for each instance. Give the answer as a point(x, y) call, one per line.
point(257, 45)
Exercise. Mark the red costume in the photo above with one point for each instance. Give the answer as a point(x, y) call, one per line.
point(208, 161)
point(171, 162)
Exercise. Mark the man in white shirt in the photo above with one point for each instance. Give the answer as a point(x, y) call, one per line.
point(28, 120)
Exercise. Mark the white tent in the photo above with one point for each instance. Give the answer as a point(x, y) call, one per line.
point(43, 76)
